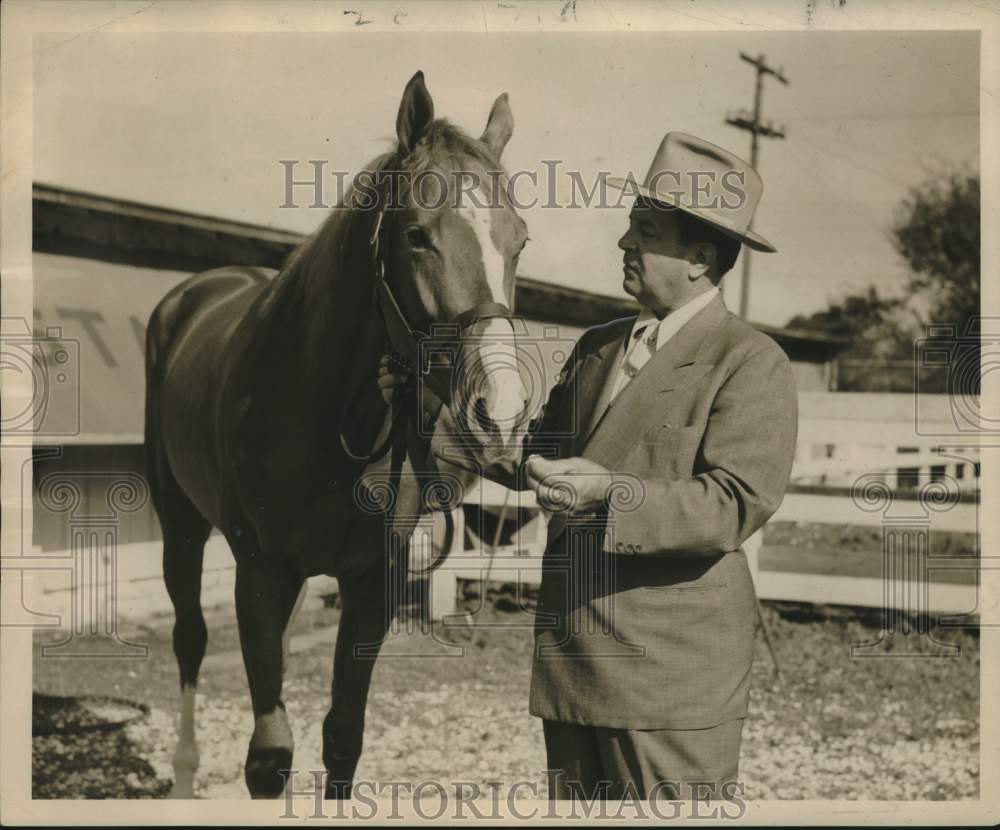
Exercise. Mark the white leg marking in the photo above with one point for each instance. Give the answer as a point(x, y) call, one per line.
point(186, 754)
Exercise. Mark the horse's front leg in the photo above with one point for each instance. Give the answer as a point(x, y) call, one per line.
point(266, 593)
point(368, 604)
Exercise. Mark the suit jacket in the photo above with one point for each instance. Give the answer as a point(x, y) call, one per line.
point(646, 610)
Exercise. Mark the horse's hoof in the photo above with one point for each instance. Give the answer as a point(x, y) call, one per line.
point(267, 770)
point(337, 790)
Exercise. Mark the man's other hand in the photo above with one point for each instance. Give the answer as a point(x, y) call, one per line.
point(573, 484)
point(391, 379)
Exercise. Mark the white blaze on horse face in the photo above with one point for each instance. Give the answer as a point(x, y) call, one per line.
point(502, 387)
point(481, 220)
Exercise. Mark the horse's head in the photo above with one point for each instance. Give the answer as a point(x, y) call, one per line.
point(450, 242)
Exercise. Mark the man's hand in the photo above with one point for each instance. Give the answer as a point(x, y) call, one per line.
point(394, 380)
point(391, 379)
point(573, 484)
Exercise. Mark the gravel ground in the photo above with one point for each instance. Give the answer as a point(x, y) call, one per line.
point(831, 727)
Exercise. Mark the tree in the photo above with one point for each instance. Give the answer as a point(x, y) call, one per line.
point(937, 232)
point(880, 331)
point(872, 323)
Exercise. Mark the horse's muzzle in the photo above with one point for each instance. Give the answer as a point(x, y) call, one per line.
point(492, 398)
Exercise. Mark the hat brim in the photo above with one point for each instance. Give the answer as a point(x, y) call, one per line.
point(749, 238)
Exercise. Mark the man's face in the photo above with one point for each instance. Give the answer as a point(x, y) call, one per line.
point(657, 267)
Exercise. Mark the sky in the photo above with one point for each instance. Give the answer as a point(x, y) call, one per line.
point(200, 122)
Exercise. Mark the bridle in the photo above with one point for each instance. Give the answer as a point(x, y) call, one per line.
point(406, 340)
point(416, 352)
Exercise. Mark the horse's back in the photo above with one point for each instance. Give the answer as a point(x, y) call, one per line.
point(191, 354)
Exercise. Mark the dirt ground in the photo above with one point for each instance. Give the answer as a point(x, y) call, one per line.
point(451, 705)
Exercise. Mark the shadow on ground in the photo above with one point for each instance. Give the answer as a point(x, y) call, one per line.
point(82, 749)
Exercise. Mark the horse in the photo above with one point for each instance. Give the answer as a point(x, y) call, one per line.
point(262, 399)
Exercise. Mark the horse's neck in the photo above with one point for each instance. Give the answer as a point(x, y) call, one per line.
point(327, 316)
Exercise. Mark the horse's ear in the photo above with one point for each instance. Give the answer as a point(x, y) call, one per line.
point(499, 126)
point(416, 112)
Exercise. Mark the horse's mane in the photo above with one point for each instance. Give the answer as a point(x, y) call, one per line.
point(336, 257)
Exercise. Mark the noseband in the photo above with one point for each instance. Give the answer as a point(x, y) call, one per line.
point(431, 356)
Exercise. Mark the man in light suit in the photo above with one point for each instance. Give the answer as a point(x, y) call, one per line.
point(668, 441)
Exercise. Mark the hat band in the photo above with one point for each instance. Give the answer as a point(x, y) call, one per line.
point(708, 193)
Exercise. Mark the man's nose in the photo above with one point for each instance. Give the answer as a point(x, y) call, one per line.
point(625, 243)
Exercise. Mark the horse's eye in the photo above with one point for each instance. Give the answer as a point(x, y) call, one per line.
point(418, 238)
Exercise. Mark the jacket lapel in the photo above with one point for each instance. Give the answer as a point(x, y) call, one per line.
point(593, 375)
point(638, 406)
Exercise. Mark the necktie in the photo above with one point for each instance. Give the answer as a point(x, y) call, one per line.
point(641, 349)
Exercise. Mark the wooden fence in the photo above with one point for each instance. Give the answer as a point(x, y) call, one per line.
point(879, 467)
point(898, 462)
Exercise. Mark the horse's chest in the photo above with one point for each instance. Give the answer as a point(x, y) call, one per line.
point(300, 512)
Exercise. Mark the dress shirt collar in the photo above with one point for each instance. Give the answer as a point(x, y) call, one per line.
point(673, 322)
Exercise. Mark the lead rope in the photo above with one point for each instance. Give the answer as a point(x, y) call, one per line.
point(480, 640)
point(397, 418)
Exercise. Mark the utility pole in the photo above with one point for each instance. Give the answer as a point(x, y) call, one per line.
point(744, 120)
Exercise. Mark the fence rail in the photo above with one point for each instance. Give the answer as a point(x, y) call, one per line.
point(832, 427)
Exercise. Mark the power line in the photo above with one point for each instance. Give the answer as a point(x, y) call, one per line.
point(754, 124)
point(908, 116)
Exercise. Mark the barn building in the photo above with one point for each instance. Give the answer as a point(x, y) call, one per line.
point(101, 264)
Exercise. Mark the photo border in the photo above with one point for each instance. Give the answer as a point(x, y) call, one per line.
point(21, 20)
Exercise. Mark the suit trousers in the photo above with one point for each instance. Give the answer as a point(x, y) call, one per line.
point(596, 761)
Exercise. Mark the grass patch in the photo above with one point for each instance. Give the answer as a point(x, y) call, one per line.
point(853, 550)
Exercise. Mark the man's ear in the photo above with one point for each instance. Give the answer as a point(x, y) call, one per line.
point(701, 260)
